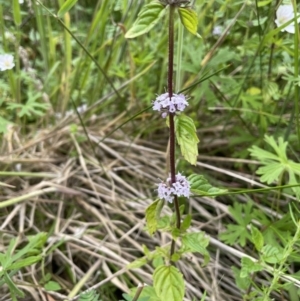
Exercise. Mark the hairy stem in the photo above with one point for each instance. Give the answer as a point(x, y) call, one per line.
point(171, 118)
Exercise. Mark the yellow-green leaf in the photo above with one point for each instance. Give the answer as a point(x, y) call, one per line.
point(187, 137)
point(168, 283)
point(151, 218)
point(257, 238)
point(200, 186)
point(25, 262)
point(263, 3)
point(17, 12)
point(189, 20)
point(196, 242)
point(137, 263)
point(66, 7)
point(52, 286)
point(147, 19)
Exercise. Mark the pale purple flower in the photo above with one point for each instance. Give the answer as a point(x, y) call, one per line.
point(163, 103)
point(181, 187)
point(82, 109)
point(217, 31)
point(284, 14)
point(6, 62)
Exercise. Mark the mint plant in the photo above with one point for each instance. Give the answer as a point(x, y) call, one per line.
point(168, 282)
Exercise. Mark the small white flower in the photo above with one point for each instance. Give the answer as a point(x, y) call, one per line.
point(6, 62)
point(21, 1)
point(217, 31)
point(284, 14)
point(18, 167)
point(9, 36)
point(81, 109)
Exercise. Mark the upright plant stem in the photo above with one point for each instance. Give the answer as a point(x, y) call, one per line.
point(170, 91)
point(171, 118)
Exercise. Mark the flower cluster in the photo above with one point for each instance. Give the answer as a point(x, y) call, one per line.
point(6, 62)
point(181, 187)
point(166, 104)
point(284, 14)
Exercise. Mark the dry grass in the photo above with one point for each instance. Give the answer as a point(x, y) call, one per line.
point(94, 204)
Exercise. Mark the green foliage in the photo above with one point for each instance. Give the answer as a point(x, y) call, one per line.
point(271, 254)
point(189, 20)
point(242, 214)
point(149, 16)
point(248, 267)
point(151, 217)
point(257, 238)
point(168, 283)
point(17, 12)
point(14, 259)
point(137, 263)
point(186, 223)
point(52, 286)
point(241, 282)
point(200, 186)
point(30, 108)
point(187, 137)
point(195, 242)
point(67, 5)
point(277, 164)
point(89, 296)
point(148, 294)
point(3, 125)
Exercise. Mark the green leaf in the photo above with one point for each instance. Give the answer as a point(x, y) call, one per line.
point(271, 172)
point(189, 20)
point(157, 261)
point(175, 232)
point(31, 107)
point(147, 19)
point(271, 254)
point(186, 223)
point(200, 186)
point(137, 263)
point(187, 137)
point(163, 223)
point(159, 208)
point(146, 250)
point(66, 7)
point(12, 287)
point(276, 165)
point(175, 257)
point(196, 242)
point(89, 296)
point(148, 294)
point(17, 12)
point(242, 283)
point(25, 262)
point(242, 213)
point(34, 245)
point(52, 286)
point(3, 125)
point(151, 219)
point(257, 238)
point(168, 283)
point(263, 3)
point(248, 267)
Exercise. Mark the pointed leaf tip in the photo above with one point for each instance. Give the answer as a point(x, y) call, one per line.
point(147, 19)
point(189, 20)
